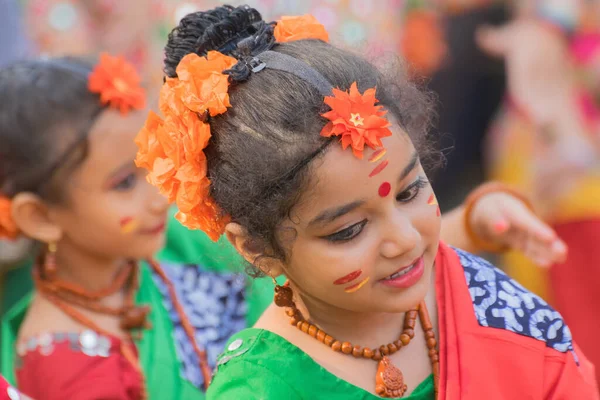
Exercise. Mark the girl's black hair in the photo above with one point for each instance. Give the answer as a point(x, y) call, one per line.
point(261, 150)
point(46, 112)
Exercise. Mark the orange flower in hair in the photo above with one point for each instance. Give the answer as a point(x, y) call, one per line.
point(173, 151)
point(8, 228)
point(356, 119)
point(201, 83)
point(289, 29)
point(118, 84)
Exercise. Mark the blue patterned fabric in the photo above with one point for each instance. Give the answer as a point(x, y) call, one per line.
point(501, 302)
point(216, 307)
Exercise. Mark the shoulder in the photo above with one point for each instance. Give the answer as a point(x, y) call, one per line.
point(501, 302)
point(77, 366)
point(250, 368)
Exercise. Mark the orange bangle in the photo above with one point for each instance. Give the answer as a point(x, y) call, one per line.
point(471, 201)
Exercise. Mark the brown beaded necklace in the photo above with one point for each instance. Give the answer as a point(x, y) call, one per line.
point(389, 380)
point(63, 294)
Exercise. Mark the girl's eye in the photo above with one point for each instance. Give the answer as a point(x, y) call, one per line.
point(126, 183)
point(347, 234)
point(412, 191)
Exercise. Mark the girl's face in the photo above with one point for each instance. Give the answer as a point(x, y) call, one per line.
point(110, 210)
point(366, 240)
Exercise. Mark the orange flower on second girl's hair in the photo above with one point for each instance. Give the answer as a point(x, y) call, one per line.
point(118, 84)
point(357, 119)
point(8, 228)
point(289, 29)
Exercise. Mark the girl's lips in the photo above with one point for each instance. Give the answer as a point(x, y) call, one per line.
point(155, 230)
point(406, 277)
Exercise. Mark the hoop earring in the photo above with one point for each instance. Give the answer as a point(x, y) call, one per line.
point(50, 261)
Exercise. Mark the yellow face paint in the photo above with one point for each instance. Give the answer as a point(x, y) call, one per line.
point(128, 225)
point(355, 287)
point(433, 202)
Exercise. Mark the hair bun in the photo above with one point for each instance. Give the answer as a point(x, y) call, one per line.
point(235, 31)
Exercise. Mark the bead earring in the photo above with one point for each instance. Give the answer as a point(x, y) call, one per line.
point(284, 297)
point(50, 261)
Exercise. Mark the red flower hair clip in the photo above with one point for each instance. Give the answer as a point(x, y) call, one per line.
point(357, 119)
point(118, 84)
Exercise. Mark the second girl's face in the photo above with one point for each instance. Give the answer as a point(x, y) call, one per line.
point(110, 210)
point(367, 230)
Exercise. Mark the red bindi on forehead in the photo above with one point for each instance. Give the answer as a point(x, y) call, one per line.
point(384, 189)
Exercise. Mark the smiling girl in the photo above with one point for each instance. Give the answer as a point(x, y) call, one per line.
point(311, 162)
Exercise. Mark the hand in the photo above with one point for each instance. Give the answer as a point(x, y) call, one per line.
point(537, 64)
point(503, 219)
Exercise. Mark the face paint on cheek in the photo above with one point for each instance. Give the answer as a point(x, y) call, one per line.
point(384, 189)
point(433, 202)
point(357, 286)
point(348, 278)
point(128, 224)
point(379, 168)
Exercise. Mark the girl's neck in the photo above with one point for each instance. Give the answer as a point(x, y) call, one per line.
point(88, 270)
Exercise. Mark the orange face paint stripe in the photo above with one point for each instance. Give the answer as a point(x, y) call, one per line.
point(128, 224)
point(355, 287)
point(348, 278)
point(433, 202)
point(378, 155)
point(379, 168)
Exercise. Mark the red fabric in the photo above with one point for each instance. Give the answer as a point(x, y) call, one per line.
point(575, 285)
point(479, 362)
point(4, 388)
point(70, 374)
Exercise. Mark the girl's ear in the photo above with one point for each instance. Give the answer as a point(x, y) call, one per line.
point(251, 250)
point(32, 218)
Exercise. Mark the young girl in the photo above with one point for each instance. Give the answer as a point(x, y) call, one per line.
point(99, 324)
point(311, 162)
point(83, 281)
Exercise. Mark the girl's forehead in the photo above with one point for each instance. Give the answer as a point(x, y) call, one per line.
point(340, 177)
point(111, 140)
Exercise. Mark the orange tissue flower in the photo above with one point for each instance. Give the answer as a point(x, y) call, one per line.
point(118, 84)
point(292, 28)
point(172, 150)
point(8, 228)
point(357, 119)
point(202, 85)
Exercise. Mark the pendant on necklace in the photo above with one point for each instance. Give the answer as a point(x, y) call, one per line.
point(389, 381)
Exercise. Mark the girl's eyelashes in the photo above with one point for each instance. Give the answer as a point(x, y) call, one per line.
point(412, 191)
point(347, 234)
point(407, 195)
point(126, 183)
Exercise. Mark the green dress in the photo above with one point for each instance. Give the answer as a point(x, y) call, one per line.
point(164, 368)
point(259, 364)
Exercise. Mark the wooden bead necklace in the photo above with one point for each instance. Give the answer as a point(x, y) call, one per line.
point(133, 318)
point(389, 380)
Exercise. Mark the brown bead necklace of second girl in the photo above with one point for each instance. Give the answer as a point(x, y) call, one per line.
point(389, 380)
point(132, 317)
